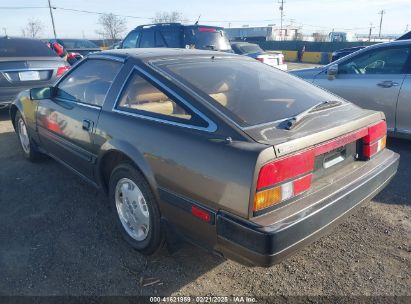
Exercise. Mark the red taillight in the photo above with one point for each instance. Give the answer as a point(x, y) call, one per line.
point(376, 139)
point(61, 70)
point(375, 132)
point(207, 29)
point(283, 179)
point(200, 213)
point(261, 59)
point(74, 55)
point(286, 168)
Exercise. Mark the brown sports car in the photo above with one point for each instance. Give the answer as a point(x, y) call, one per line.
point(234, 155)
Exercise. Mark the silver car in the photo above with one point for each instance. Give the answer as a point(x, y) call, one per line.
point(377, 77)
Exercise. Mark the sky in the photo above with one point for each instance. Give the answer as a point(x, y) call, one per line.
point(313, 15)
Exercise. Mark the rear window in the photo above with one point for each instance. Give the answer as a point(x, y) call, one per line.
point(250, 48)
point(247, 91)
point(10, 47)
point(207, 38)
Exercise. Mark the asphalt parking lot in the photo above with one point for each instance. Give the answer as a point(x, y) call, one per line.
point(58, 237)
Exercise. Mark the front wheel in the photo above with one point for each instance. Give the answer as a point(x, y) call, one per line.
point(137, 212)
point(26, 144)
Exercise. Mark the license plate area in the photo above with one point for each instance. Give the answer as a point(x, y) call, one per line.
point(29, 76)
point(331, 161)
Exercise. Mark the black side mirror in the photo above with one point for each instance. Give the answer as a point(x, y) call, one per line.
point(41, 93)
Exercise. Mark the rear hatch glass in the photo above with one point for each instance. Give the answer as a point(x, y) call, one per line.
point(12, 47)
point(247, 91)
point(207, 38)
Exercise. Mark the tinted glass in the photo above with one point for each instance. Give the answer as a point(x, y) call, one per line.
point(10, 47)
point(250, 48)
point(78, 44)
point(159, 40)
point(380, 61)
point(131, 40)
point(207, 38)
point(147, 39)
point(172, 38)
point(89, 82)
point(249, 92)
point(141, 95)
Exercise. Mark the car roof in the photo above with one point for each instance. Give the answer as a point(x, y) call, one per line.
point(20, 38)
point(157, 53)
point(174, 24)
point(243, 43)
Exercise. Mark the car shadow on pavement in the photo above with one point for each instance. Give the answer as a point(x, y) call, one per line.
point(398, 191)
point(59, 237)
point(4, 114)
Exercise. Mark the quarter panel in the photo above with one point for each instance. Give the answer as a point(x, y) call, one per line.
point(198, 165)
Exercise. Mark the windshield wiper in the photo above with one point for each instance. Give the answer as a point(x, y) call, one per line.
point(293, 121)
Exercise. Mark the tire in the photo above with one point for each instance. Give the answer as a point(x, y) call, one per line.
point(136, 209)
point(27, 146)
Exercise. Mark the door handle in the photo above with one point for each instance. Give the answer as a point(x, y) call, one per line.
point(388, 84)
point(87, 125)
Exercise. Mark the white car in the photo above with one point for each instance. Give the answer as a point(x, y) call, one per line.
point(252, 50)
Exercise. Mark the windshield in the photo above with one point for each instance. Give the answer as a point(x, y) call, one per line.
point(10, 47)
point(207, 38)
point(78, 44)
point(248, 92)
point(250, 48)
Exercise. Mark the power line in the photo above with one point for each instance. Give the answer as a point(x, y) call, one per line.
point(149, 18)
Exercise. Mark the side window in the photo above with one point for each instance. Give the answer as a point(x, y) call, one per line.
point(172, 38)
point(141, 95)
point(131, 40)
point(89, 82)
point(159, 40)
point(379, 61)
point(147, 39)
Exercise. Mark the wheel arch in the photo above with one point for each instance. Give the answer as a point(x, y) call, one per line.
point(114, 153)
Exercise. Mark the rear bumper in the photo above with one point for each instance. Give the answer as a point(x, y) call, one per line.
point(263, 245)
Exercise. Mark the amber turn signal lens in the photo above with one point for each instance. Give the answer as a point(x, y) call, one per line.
point(267, 198)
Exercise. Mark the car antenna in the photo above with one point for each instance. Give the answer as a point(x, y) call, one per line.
point(198, 19)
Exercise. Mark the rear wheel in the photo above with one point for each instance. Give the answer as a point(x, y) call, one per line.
point(138, 215)
point(26, 144)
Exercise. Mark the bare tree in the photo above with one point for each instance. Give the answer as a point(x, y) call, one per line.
point(33, 29)
point(169, 17)
point(112, 26)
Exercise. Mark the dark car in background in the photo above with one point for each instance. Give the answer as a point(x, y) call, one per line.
point(237, 156)
point(176, 35)
point(80, 46)
point(252, 50)
point(26, 63)
point(344, 52)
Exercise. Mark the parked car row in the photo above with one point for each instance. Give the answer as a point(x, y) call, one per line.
point(377, 77)
point(26, 63)
point(237, 156)
point(289, 159)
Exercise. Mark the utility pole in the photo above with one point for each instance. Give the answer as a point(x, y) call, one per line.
point(282, 16)
point(52, 20)
point(382, 12)
point(5, 31)
point(406, 28)
point(369, 35)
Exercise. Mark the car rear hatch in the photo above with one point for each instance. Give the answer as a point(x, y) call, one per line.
point(326, 142)
point(206, 38)
point(17, 74)
point(271, 59)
